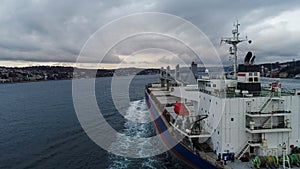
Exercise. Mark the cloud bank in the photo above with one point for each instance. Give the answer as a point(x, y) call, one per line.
point(55, 31)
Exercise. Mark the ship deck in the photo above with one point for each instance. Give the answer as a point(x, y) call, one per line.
point(165, 101)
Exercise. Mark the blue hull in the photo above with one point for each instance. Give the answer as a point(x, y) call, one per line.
point(180, 151)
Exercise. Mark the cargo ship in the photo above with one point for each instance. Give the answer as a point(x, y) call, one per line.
point(223, 121)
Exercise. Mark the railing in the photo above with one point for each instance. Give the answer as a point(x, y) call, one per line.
point(254, 142)
point(270, 113)
point(262, 93)
point(270, 127)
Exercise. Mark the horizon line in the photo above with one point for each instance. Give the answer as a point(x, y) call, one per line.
point(25, 64)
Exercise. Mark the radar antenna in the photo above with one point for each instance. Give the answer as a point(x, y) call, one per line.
point(234, 41)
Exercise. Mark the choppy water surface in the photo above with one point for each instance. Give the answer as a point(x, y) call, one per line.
point(39, 127)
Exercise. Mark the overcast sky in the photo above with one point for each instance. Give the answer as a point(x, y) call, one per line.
point(40, 31)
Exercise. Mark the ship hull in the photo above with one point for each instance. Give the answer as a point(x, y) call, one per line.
point(179, 150)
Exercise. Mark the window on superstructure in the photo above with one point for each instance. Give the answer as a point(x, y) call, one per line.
point(255, 79)
point(250, 79)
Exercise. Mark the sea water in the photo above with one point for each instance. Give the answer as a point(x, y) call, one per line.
point(39, 127)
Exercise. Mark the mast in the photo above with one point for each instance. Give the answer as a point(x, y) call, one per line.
point(234, 41)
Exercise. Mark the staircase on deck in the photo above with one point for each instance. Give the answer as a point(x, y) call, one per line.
point(243, 150)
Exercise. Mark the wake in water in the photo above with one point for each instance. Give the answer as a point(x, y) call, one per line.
point(138, 125)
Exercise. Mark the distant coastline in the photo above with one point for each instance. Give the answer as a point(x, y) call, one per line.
point(289, 69)
point(281, 70)
point(42, 73)
point(45, 73)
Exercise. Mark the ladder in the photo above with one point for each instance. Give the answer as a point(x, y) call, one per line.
point(243, 150)
point(266, 103)
point(266, 122)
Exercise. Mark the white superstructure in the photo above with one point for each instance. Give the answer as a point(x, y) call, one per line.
point(239, 116)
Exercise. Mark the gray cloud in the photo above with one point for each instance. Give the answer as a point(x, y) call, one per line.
point(57, 30)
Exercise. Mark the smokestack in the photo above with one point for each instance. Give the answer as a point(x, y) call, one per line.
point(194, 70)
